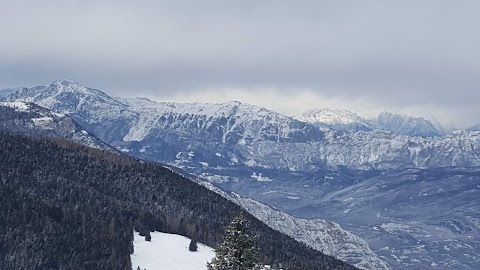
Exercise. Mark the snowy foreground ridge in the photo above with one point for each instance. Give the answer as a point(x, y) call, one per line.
point(168, 252)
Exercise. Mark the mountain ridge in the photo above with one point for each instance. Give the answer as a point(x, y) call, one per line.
point(251, 131)
point(292, 165)
point(356, 250)
point(345, 120)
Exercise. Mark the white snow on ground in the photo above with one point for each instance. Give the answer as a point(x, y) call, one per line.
point(168, 252)
point(19, 106)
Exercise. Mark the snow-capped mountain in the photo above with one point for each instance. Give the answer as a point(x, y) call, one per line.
point(279, 160)
point(343, 120)
point(168, 251)
point(234, 133)
point(139, 119)
point(31, 119)
point(405, 125)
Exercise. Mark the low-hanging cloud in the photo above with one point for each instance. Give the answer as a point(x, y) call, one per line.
point(376, 54)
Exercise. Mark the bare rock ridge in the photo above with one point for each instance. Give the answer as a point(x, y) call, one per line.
point(325, 236)
point(345, 120)
point(31, 119)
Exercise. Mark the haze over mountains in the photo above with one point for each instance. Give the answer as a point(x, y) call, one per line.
point(386, 180)
point(387, 121)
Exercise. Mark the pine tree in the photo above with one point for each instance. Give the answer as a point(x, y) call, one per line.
point(148, 237)
point(193, 245)
point(237, 251)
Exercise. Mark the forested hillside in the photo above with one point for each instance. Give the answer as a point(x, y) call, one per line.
point(66, 206)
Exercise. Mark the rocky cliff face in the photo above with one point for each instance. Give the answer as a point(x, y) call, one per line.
point(342, 120)
point(31, 119)
point(394, 123)
point(405, 125)
point(325, 236)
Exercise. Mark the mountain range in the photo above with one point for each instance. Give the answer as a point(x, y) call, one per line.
point(327, 237)
point(345, 120)
point(379, 181)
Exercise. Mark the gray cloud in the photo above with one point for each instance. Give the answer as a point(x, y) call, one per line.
point(400, 54)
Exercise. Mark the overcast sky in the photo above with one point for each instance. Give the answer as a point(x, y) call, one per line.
point(418, 57)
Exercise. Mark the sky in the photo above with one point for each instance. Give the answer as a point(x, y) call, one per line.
point(414, 57)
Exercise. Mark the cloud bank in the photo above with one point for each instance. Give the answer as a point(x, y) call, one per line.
point(418, 57)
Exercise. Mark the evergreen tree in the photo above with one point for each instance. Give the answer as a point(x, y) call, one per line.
point(237, 251)
point(193, 245)
point(148, 237)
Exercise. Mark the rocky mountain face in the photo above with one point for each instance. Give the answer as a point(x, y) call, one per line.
point(405, 125)
point(343, 120)
point(231, 134)
point(322, 235)
point(31, 119)
point(297, 167)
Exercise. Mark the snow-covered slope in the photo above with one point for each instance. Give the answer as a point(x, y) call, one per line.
point(31, 119)
point(168, 252)
point(325, 236)
point(132, 120)
point(234, 133)
point(335, 119)
point(345, 120)
point(405, 125)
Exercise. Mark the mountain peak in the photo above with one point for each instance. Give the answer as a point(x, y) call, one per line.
point(336, 119)
point(330, 116)
point(71, 86)
point(63, 95)
point(405, 125)
point(65, 82)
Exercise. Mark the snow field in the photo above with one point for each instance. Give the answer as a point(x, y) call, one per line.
point(168, 252)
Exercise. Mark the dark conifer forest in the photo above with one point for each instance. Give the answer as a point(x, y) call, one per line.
point(67, 206)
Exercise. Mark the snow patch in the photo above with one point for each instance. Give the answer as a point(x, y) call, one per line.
point(260, 178)
point(18, 106)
